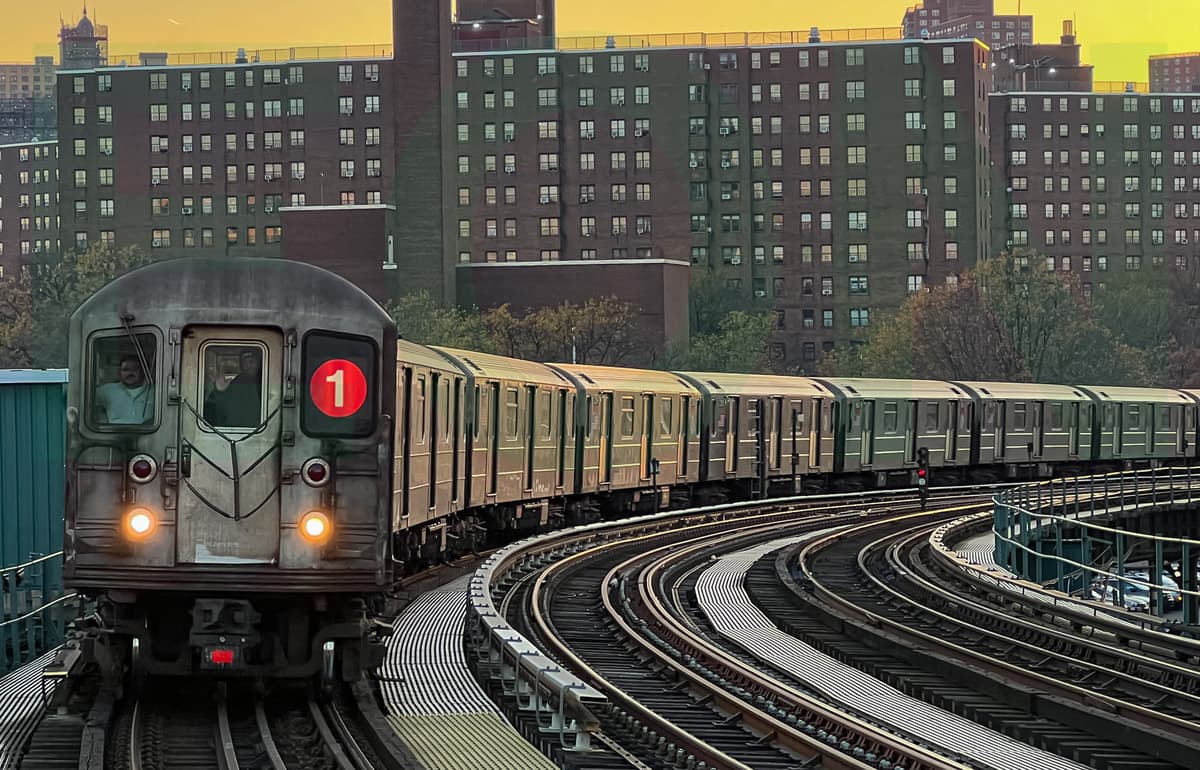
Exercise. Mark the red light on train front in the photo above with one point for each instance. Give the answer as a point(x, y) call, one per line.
point(315, 472)
point(315, 527)
point(142, 468)
point(140, 523)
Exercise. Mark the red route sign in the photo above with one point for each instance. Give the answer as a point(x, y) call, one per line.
point(338, 388)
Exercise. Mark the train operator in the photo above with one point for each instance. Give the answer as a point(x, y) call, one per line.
point(129, 400)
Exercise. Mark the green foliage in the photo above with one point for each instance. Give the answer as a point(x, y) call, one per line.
point(738, 344)
point(1013, 319)
point(37, 305)
point(422, 319)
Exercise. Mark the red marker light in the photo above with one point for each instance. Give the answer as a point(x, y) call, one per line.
point(316, 473)
point(221, 657)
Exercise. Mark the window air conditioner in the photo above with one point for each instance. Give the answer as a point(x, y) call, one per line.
point(545, 199)
point(724, 131)
point(187, 211)
point(639, 132)
point(693, 164)
point(157, 243)
point(735, 260)
point(760, 293)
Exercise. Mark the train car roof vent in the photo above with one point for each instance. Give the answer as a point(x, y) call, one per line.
point(985, 391)
point(584, 376)
point(1103, 394)
point(715, 385)
point(851, 389)
point(472, 364)
point(956, 390)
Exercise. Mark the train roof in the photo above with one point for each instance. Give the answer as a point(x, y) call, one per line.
point(1193, 393)
point(258, 291)
point(1134, 395)
point(623, 378)
point(490, 366)
point(412, 353)
point(758, 384)
point(863, 387)
point(1026, 390)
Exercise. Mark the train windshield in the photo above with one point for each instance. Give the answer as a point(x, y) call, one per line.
point(123, 389)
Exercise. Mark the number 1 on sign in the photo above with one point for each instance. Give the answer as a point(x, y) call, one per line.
point(338, 379)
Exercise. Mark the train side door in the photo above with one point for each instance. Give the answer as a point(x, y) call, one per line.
point(1187, 418)
point(732, 407)
point(952, 433)
point(681, 448)
point(1118, 426)
point(776, 433)
point(492, 408)
point(1039, 428)
point(605, 456)
point(814, 434)
point(230, 430)
point(867, 450)
point(1075, 427)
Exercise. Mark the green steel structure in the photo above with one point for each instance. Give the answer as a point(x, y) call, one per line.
point(32, 455)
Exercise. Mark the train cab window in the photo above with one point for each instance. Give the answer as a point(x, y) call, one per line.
point(512, 407)
point(233, 391)
point(123, 391)
point(891, 418)
point(339, 386)
point(931, 417)
point(665, 416)
point(627, 418)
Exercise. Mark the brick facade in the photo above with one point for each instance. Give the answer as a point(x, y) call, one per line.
point(28, 204)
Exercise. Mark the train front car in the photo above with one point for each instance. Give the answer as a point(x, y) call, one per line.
point(229, 469)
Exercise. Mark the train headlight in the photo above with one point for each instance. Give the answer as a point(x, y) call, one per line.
point(140, 523)
point(315, 527)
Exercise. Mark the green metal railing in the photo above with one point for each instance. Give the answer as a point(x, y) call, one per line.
point(1071, 532)
point(34, 610)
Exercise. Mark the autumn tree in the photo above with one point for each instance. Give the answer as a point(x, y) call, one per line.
point(740, 343)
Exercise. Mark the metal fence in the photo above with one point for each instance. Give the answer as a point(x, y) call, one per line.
point(1071, 532)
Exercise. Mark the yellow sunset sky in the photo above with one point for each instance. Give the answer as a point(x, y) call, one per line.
point(1117, 35)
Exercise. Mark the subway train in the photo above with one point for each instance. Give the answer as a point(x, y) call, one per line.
point(255, 457)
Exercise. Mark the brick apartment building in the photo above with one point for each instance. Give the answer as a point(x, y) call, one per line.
point(27, 101)
point(824, 179)
point(1175, 72)
point(966, 19)
point(827, 179)
point(28, 203)
point(1103, 184)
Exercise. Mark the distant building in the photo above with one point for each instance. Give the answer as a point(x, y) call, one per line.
point(83, 45)
point(28, 204)
point(1042, 66)
point(1175, 72)
point(965, 19)
point(27, 106)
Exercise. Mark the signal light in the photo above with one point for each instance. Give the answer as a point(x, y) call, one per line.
point(315, 472)
point(140, 523)
point(221, 657)
point(142, 468)
point(315, 527)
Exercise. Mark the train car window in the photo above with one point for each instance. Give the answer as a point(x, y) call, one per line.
point(989, 416)
point(419, 404)
point(1167, 418)
point(444, 417)
point(232, 394)
point(544, 413)
point(694, 408)
point(1056, 416)
point(478, 411)
point(718, 418)
point(1135, 417)
point(827, 419)
point(1019, 417)
point(856, 415)
point(512, 406)
point(891, 417)
point(666, 416)
point(627, 420)
point(931, 417)
point(123, 390)
point(1109, 415)
point(340, 382)
point(594, 410)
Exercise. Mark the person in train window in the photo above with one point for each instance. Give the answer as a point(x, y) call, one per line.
point(238, 404)
point(129, 400)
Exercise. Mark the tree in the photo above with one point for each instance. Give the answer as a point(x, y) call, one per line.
point(36, 306)
point(421, 319)
point(739, 344)
point(16, 321)
point(958, 336)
